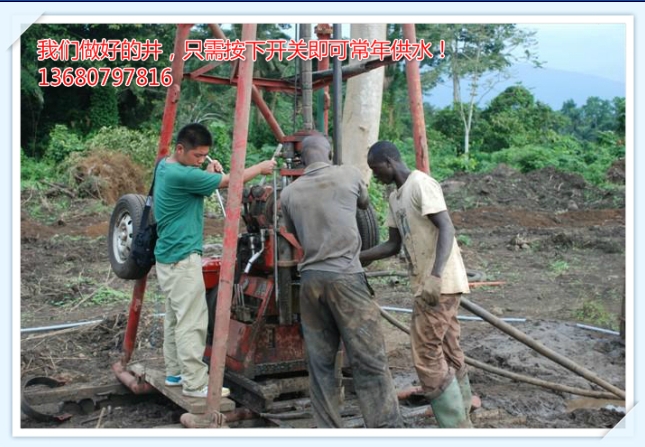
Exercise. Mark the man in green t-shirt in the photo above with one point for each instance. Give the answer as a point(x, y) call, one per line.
point(180, 188)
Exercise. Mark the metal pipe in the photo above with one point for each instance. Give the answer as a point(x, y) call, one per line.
point(219, 195)
point(508, 320)
point(323, 32)
point(415, 95)
point(217, 31)
point(511, 375)
point(240, 414)
point(57, 326)
point(167, 126)
point(539, 347)
point(255, 256)
point(256, 95)
point(132, 382)
point(539, 382)
point(173, 93)
point(459, 317)
point(276, 282)
point(231, 226)
point(221, 202)
point(322, 78)
point(597, 329)
point(338, 103)
point(266, 113)
point(130, 337)
point(305, 81)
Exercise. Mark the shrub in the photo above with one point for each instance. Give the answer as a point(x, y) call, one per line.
point(222, 146)
point(141, 146)
point(62, 142)
point(104, 110)
point(32, 171)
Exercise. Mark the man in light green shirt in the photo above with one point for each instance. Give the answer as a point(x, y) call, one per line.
point(179, 191)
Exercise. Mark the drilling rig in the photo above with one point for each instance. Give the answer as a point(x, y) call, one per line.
point(264, 349)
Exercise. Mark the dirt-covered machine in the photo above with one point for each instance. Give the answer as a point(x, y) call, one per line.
point(265, 341)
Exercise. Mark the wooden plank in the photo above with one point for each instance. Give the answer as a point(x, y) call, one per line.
point(38, 394)
point(157, 378)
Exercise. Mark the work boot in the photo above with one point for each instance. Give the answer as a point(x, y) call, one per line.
point(448, 408)
point(466, 392)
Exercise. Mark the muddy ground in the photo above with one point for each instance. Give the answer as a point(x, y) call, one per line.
point(555, 243)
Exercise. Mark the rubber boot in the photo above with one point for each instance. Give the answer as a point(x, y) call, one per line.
point(448, 408)
point(466, 393)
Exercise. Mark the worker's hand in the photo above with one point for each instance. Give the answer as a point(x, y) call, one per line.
point(214, 166)
point(430, 290)
point(267, 166)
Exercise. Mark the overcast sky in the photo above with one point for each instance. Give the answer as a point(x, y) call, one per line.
point(595, 49)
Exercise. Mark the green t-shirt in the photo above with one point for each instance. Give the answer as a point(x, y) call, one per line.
point(179, 209)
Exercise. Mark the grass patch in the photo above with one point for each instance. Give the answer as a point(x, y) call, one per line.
point(47, 211)
point(559, 267)
point(594, 313)
point(464, 239)
point(107, 295)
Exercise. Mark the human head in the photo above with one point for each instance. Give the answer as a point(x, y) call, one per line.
point(384, 159)
point(193, 143)
point(315, 148)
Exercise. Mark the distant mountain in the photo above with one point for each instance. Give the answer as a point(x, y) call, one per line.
point(552, 87)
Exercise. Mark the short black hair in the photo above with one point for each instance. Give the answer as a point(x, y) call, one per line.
point(194, 135)
point(382, 150)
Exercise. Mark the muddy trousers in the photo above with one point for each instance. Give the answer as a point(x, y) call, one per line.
point(185, 321)
point(436, 352)
point(337, 307)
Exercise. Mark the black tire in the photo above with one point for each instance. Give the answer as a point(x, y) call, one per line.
point(367, 227)
point(124, 225)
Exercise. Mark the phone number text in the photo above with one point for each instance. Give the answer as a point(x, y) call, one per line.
point(93, 77)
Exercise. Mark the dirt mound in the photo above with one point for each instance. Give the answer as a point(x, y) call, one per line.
point(616, 172)
point(493, 217)
point(107, 176)
point(31, 231)
point(543, 189)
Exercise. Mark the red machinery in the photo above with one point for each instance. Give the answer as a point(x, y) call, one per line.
point(265, 356)
point(252, 289)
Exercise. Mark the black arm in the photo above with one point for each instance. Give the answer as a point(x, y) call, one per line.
point(384, 250)
point(445, 241)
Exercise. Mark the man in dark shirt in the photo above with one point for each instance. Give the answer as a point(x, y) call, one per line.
point(335, 299)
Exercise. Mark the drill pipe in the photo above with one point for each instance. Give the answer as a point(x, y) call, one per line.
point(511, 375)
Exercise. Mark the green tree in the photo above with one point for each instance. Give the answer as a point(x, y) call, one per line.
point(619, 112)
point(594, 117)
point(475, 50)
point(448, 122)
point(104, 111)
point(515, 119)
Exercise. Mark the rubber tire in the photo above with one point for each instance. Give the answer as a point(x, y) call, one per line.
point(367, 227)
point(128, 209)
